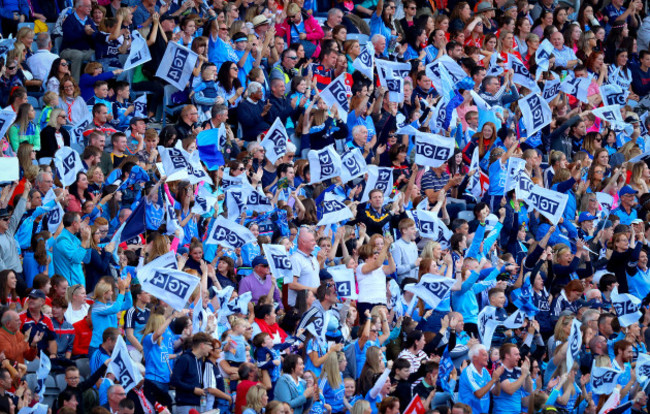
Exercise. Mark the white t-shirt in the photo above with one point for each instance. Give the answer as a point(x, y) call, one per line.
point(74, 316)
point(306, 268)
point(372, 286)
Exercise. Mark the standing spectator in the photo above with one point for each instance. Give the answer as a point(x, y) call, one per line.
point(9, 258)
point(69, 252)
point(79, 33)
point(187, 375)
point(476, 381)
point(304, 265)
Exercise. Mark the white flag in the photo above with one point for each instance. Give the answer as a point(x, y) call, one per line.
point(140, 106)
point(195, 171)
point(9, 169)
point(258, 201)
point(44, 368)
point(535, 112)
point(440, 78)
point(433, 150)
point(523, 186)
point(173, 160)
point(455, 71)
point(425, 222)
point(345, 281)
point(549, 203)
point(334, 211)
point(391, 70)
point(324, 164)
point(203, 201)
point(642, 368)
point(37, 408)
point(171, 219)
point(173, 287)
point(5, 46)
point(494, 69)
point(475, 180)
point(515, 167)
point(275, 141)
point(177, 65)
point(521, 75)
point(199, 317)
point(236, 199)
point(606, 202)
point(279, 261)
point(77, 133)
point(432, 289)
point(68, 163)
point(487, 324)
point(364, 63)
point(353, 165)
point(516, 320)
point(237, 305)
point(139, 52)
point(627, 307)
point(7, 117)
point(336, 93)
point(121, 365)
point(543, 55)
point(575, 344)
point(613, 95)
point(228, 181)
point(577, 87)
point(603, 380)
point(54, 218)
point(228, 234)
point(395, 87)
point(166, 261)
point(551, 90)
point(611, 113)
point(480, 102)
point(380, 178)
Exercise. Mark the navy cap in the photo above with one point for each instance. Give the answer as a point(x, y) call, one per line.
point(585, 216)
point(259, 260)
point(627, 190)
point(37, 294)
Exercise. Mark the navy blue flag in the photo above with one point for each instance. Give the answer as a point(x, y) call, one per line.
point(135, 224)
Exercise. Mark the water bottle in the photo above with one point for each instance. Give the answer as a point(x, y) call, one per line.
point(204, 404)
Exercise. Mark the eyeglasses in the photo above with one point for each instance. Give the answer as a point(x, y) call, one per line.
point(374, 331)
point(292, 57)
point(64, 63)
point(240, 169)
point(11, 67)
point(412, 8)
point(598, 139)
point(61, 116)
point(5, 219)
point(223, 29)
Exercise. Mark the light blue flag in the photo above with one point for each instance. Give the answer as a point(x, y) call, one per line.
point(42, 373)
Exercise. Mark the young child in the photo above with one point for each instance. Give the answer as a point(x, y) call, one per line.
point(350, 394)
point(205, 93)
point(318, 406)
point(236, 354)
point(101, 96)
point(267, 357)
point(124, 109)
point(51, 100)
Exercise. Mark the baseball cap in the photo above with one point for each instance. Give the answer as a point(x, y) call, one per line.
point(585, 216)
point(36, 294)
point(627, 190)
point(484, 6)
point(259, 260)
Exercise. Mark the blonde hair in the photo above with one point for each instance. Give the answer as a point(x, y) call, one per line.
point(427, 252)
point(360, 407)
point(254, 398)
point(100, 290)
point(331, 370)
point(154, 322)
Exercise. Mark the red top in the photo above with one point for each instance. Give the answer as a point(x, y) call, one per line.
point(242, 390)
point(82, 336)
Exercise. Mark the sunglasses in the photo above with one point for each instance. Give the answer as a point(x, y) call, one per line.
point(11, 67)
point(5, 218)
point(64, 63)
